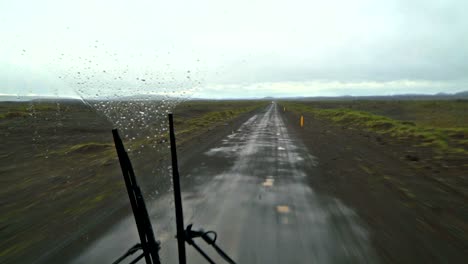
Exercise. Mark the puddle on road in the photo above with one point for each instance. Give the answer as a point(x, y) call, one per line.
point(226, 150)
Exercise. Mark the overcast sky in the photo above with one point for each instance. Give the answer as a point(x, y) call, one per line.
point(239, 48)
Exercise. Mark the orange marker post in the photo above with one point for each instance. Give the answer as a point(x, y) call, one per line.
point(302, 121)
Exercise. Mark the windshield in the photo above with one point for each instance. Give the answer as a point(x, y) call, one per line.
point(307, 131)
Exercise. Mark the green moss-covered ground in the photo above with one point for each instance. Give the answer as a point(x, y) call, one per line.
point(442, 125)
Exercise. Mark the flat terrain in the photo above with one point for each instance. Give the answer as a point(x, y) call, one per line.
point(58, 170)
point(362, 181)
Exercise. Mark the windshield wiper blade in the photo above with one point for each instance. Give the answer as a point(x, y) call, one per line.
point(148, 243)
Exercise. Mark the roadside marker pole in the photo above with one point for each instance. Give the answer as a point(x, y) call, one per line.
point(302, 121)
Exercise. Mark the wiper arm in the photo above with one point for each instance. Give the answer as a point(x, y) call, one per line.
point(188, 234)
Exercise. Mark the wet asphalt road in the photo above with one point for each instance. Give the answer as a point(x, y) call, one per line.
point(258, 201)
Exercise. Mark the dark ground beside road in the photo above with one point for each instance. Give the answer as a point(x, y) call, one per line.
point(412, 217)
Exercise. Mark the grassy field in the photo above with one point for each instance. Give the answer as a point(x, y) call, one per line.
point(59, 173)
point(442, 125)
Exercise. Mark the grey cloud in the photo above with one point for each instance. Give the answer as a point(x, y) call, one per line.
point(244, 42)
